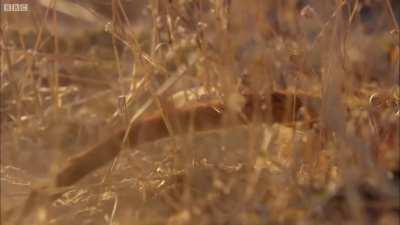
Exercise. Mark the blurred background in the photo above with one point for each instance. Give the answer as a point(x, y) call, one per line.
point(66, 64)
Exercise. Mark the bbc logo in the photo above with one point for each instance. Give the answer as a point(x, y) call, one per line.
point(23, 7)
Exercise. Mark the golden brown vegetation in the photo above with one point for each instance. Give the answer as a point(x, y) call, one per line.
point(200, 112)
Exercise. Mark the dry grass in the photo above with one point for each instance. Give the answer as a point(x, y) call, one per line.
point(200, 112)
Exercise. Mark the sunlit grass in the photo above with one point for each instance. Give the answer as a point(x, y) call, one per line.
point(200, 112)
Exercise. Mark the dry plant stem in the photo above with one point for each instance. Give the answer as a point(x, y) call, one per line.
point(392, 15)
point(55, 78)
